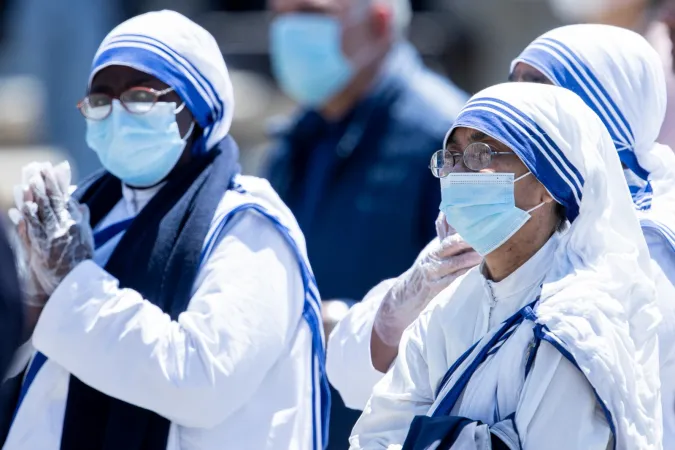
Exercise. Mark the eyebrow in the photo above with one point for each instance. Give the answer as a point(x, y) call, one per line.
point(477, 136)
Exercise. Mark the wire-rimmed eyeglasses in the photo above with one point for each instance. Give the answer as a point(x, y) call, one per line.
point(476, 156)
point(137, 100)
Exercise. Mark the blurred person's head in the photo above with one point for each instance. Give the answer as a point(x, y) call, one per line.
point(620, 77)
point(667, 16)
point(624, 13)
point(159, 96)
point(326, 52)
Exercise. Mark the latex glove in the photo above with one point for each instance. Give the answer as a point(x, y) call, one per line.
point(439, 264)
point(33, 292)
point(57, 233)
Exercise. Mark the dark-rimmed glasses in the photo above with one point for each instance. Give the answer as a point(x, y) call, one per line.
point(137, 100)
point(476, 156)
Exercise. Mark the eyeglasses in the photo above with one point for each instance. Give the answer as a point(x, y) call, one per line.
point(137, 100)
point(476, 156)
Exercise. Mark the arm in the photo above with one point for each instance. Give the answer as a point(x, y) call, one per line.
point(403, 393)
point(558, 409)
point(348, 358)
point(195, 371)
point(661, 253)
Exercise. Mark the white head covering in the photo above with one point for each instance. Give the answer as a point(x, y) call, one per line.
point(620, 76)
point(598, 298)
point(177, 51)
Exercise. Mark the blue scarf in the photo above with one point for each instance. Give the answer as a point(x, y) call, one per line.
point(158, 257)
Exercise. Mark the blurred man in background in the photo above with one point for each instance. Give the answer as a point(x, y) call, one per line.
point(353, 165)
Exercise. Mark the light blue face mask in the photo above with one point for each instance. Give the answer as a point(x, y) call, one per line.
point(481, 208)
point(139, 149)
point(307, 58)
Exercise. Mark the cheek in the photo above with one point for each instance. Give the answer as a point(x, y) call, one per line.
point(184, 120)
point(354, 38)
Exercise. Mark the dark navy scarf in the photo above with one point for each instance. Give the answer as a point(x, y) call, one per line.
point(158, 257)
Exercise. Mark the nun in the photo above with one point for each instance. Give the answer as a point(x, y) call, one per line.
point(620, 77)
point(552, 341)
point(618, 74)
point(179, 308)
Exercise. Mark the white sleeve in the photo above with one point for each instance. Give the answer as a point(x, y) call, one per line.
point(661, 253)
point(558, 409)
point(403, 393)
point(195, 371)
point(348, 361)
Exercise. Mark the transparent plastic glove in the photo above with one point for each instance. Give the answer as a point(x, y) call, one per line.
point(439, 264)
point(33, 292)
point(57, 228)
point(61, 174)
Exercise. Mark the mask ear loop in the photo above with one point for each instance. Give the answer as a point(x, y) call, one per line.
point(192, 124)
point(540, 204)
point(189, 131)
point(521, 177)
point(537, 207)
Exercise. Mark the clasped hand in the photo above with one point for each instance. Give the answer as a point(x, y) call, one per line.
point(54, 230)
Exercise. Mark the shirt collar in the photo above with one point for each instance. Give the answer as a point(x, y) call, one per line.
point(136, 199)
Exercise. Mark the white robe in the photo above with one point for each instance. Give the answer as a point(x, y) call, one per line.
point(555, 408)
point(661, 252)
point(233, 371)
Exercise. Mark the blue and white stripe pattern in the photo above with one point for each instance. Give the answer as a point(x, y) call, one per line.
point(642, 196)
point(542, 156)
point(564, 68)
point(663, 230)
point(181, 54)
point(311, 314)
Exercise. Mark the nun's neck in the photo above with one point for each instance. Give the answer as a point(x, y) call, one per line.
point(515, 252)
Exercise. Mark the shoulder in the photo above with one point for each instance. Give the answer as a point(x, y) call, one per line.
point(429, 103)
point(255, 202)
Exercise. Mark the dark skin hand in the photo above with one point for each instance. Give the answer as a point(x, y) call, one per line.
point(114, 80)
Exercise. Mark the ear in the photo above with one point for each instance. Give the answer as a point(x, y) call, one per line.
point(381, 20)
point(545, 196)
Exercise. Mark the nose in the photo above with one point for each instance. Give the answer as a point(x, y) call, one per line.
point(460, 167)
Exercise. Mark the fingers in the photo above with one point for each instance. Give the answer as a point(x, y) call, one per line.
point(35, 230)
point(22, 231)
point(443, 228)
point(57, 199)
point(451, 246)
point(454, 264)
point(45, 214)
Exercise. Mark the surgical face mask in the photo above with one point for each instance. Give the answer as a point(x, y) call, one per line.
point(139, 149)
point(481, 208)
point(307, 58)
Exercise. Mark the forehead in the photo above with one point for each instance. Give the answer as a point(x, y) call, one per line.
point(116, 79)
point(315, 6)
point(525, 72)
point(463, 136)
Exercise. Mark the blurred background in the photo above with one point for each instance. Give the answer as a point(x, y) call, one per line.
point(46, 47)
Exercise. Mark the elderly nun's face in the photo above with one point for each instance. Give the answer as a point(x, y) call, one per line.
point(526, 73)
point(115, 80)
point(528, 192)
